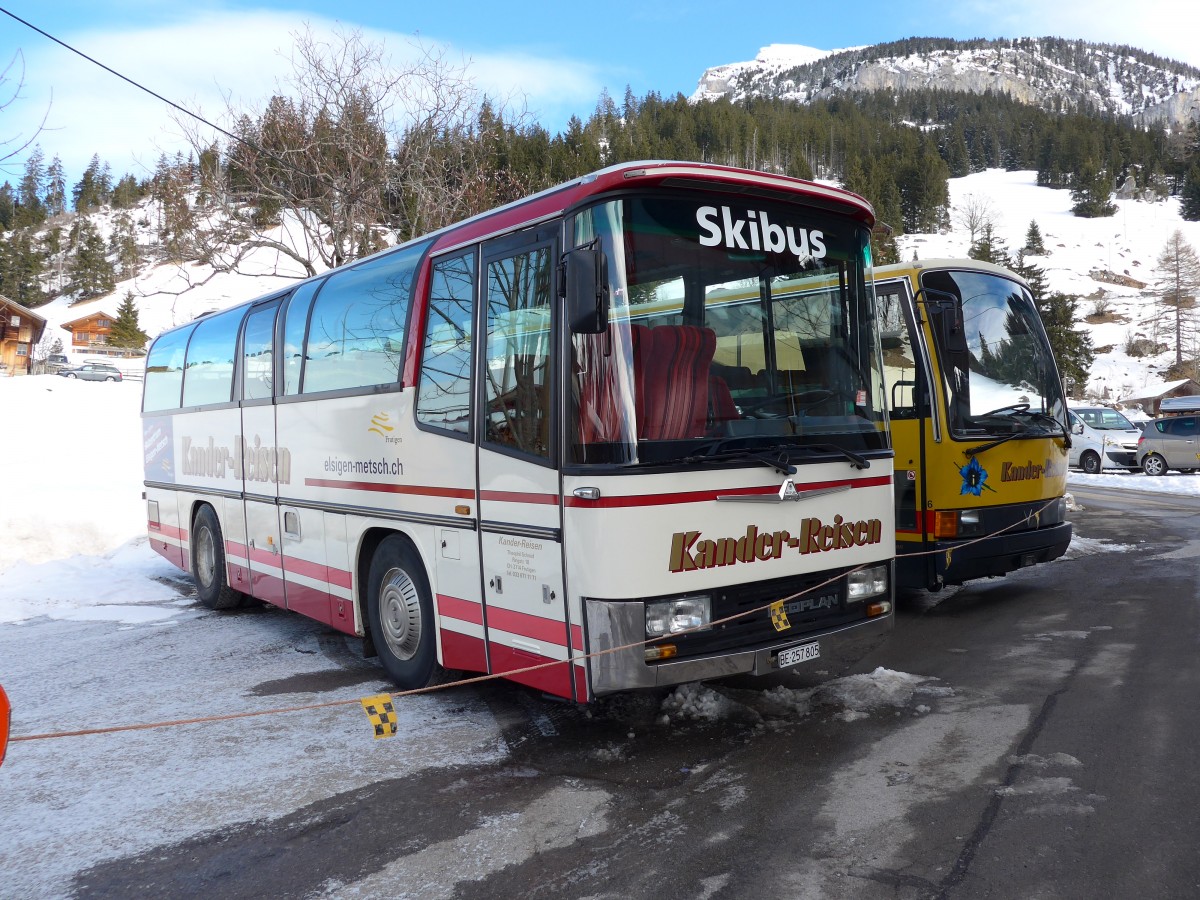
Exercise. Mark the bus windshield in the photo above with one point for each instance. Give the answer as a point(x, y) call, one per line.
point(998, 369)
point(733, 325)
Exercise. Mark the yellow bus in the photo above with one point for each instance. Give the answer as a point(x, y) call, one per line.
point(978, 422)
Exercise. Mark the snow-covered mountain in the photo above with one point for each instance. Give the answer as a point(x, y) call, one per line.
point(1052, 73)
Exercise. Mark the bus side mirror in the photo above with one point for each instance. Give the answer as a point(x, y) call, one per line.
point(587, 289)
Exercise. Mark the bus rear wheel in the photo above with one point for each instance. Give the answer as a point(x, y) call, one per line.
point(208, 563)
point(400, 615)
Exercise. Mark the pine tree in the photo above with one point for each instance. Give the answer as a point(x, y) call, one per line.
point(126, 332)
point(988, 247)
point(1034, 245)
point(31, 211)
point(1178, 287)
point(91, 272)
point(1190, 195)
point(8, 206)
point(1091, 192)
point(89, 193)
point(56, 188)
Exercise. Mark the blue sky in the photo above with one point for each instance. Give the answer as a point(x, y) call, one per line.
point(555, 58)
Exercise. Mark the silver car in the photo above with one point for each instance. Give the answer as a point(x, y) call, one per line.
point(1170, 443)
point(93, 372)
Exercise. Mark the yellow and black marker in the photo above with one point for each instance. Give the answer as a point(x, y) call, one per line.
point(382, 714)
point(779, 616)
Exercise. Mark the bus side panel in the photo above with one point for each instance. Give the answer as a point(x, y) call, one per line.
point(232, 515)
point(305, 572)
point(458, 601)
point(339, 576)
point(167, 538)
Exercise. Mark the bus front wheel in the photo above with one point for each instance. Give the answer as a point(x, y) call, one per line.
point(208, 563)
point(400, 613)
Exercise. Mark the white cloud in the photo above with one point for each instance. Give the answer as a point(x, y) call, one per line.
point(198, 62)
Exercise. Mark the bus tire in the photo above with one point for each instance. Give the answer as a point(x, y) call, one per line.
point(1153, 464)
point(400, 615)
point(1090, 462)
point(208, 563)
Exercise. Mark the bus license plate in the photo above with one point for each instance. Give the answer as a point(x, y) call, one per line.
point(793, 656)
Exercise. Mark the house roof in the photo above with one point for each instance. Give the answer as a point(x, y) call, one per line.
point(13, 304)
point(98, 314)
point(1156, 391)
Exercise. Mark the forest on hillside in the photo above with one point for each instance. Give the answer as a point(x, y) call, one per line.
point(336, 155)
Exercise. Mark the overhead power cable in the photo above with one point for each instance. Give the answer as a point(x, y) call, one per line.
point(199, 118)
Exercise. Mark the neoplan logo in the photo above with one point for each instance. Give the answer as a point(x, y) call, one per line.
point(757, 232)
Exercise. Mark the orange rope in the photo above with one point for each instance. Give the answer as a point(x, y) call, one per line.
point(465, 681)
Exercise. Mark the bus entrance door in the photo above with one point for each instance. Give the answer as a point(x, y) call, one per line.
point(520, 498)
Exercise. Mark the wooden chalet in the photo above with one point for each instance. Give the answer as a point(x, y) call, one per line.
point(20, 331)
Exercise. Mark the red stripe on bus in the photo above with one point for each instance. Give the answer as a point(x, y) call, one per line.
point(552, 631)
point(169, 552)
point(233, 548)
point(519, 497)
point(457, 608)
point(461, 651)
point(554, 680)
point(419, 490)
point(167, 530)
point(317, 571)
point(704, 496)
point(576, 638)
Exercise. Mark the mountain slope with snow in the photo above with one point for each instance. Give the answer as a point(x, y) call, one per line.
point(1052, 73)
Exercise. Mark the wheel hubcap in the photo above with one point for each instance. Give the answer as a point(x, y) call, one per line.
point(400, 610)
point(206, 556)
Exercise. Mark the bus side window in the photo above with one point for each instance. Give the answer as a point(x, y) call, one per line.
point(164, 371)
point(517, 364)
point(355, 334)
point(258, 354)
point(295, 320)
point(208, 372)
point(444, 393)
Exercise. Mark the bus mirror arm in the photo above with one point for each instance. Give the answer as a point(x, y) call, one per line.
point(585, 271)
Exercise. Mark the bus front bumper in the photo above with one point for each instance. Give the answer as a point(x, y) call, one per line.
point(939, 563)
point(619, 623)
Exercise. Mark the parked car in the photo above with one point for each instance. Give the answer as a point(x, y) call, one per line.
point(56, 362)
point(92, 372)
point(1170, 443)
point(1102, 438)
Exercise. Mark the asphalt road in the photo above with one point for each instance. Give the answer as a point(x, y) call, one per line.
point(1049, 751)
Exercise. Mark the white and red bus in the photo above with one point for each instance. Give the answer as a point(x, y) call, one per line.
point(603, 428)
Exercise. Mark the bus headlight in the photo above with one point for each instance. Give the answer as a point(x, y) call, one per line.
point(674, 616)
point(867, 583)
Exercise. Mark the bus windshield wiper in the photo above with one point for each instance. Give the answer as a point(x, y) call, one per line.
point(763, 455)
point(1023, 429)
point(855, 459)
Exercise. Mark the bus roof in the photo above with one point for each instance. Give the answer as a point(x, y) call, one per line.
point(917, 266)
point(553, 201)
